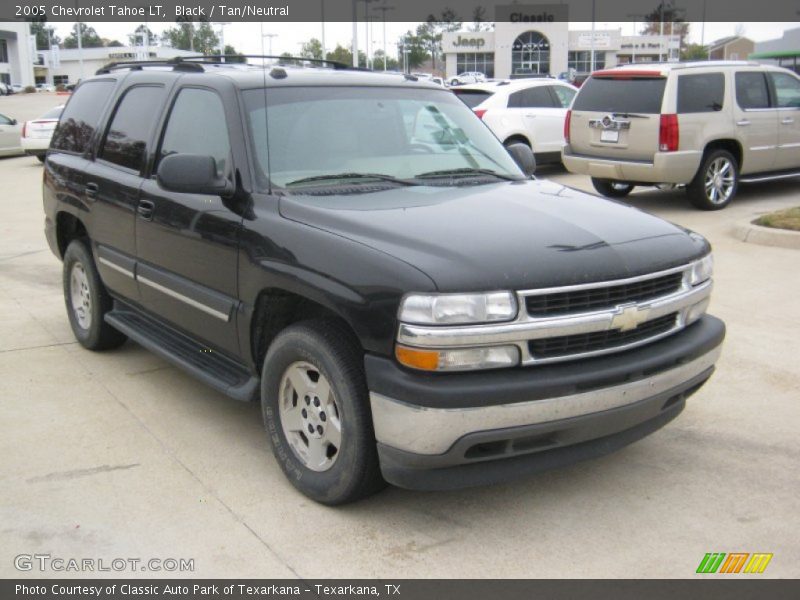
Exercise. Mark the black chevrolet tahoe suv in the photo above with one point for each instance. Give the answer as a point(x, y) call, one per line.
point(360, 254)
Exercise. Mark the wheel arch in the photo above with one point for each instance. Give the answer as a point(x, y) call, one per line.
point(731, 145)
point(68, 228)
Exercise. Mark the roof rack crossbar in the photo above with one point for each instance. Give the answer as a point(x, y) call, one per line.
point(194, 63)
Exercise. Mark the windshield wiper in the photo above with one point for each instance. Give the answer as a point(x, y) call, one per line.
point(464, 172)
point(340, 176)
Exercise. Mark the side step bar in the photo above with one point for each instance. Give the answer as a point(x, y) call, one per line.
point(220, 372)
point(769, 176)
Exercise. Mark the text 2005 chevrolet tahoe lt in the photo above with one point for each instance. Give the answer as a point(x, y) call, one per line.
point(357, 252)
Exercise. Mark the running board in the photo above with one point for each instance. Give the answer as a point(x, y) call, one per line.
point(220, 372)
point(770, 177)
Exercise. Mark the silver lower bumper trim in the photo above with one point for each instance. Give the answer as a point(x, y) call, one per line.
point(424, 430)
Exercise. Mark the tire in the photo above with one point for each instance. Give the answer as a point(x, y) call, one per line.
point(454, 82)
point(611, 188)
point(82, 284)
point(716, 181)
point(336, 461)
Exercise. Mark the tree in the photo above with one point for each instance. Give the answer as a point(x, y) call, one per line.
point(141, 33)
point(113, 43)
point(89, 37)
point(668, 19)
point(205, 40)
point(377, 61)
point(345, 56)
point(187, 36)
point(694, 52)
point(429, 34)
point(233, 55)
point(479, 22)
point(180, 37)
point(413, 48)
point(312, 49)
point(44, 34)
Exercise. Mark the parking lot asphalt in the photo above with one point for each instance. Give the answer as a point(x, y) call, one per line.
point(119, 455)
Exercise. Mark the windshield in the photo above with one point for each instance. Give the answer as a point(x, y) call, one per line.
point(400, 134)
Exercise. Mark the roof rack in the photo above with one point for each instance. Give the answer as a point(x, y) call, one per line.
point(194, 64)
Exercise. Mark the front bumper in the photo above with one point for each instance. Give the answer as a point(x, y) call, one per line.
point(459, 430)
point(666, 167)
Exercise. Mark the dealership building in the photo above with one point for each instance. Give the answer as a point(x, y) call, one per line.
point(536, 39)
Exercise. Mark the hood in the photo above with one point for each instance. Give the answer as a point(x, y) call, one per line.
point(509, 235)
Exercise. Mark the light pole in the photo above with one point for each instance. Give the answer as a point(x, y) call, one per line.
point(355, 35)
point(322, 22)
point(383, 10)
point(222, 39)
point(591, 46)
point(269, 36)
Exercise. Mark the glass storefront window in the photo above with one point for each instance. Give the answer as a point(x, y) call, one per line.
point(581, 61)
point(530, 54)
point(483, 62)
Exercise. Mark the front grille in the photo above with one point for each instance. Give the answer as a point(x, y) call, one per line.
point(586, 300)
point(600, 340)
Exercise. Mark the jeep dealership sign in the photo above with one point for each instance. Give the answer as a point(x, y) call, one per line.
point(468, 41)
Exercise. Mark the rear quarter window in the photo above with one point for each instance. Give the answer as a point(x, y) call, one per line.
point(701, 93)
point(472, 98)
point(637, 95)
point(81, 116)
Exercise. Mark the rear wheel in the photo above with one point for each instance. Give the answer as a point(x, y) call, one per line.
point(611, 188)
point(315, 405)
point(716, 181)
point(87, 300)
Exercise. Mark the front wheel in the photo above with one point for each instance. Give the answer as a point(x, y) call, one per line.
point(716, 181)
point(315, 405)
point(611, 188)
point(87, 300)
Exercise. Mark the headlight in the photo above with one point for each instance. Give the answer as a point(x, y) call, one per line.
point(458, 359)
point(453, 309)
point(701, 270)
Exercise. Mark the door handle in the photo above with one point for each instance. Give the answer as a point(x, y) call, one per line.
point(787, 120)
point(743, 123)
point(91, 189)
point(146, 209)
point(531, 115)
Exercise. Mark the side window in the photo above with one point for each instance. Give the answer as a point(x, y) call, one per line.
point(125, 143)
point(81, 116)
point(701, 93)
point(787, 90)
point(197, 126)
point(4, 120)
point(564, 95)
point(751, 90)
point(535, 97)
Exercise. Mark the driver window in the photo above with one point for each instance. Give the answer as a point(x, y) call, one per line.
point(197, 126)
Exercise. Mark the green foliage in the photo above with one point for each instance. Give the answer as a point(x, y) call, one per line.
point(198, 38)
point(694, 52)
point(89, 37)
point(44, 34)
point(312, 49)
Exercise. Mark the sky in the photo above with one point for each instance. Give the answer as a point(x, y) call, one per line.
point(246, 37)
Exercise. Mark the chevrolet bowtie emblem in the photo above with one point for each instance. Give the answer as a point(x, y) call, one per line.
point(629, 317)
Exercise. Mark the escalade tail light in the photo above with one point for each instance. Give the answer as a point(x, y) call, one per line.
point(668, 133)
point(567, 122)
point(480, 112)
point(24, 129)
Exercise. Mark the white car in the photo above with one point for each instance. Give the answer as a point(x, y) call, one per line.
point(467, 77)
point(9, 136)
point(17, 88)
point(45, 87)
point(36, 134)
point(530, 111)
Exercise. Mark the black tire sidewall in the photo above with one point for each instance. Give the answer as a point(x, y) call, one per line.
point(696, 189)
point(606, 188)
point(98, 335)
point(338, 484)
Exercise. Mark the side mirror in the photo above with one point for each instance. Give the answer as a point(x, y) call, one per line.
point(523, 156)
point(192, 174)
point(13, 121)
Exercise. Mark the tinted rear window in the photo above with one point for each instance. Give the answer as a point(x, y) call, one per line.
point(535, 97)
point(472, 98)
point(131, 127)
point(81, 116)
point(638, 95)
point(701, 93)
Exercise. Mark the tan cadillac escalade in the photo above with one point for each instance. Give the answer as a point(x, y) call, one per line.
point(706, 126)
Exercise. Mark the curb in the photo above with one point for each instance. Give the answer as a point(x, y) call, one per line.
point(767, 236)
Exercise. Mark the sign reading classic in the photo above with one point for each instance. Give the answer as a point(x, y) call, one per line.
point(531, 13)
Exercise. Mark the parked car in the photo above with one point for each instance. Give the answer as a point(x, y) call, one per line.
point(529, 111)
point(707, 126)
point(5, 89)
point(407, 303)
point(45, 87)
point(36, 134)
point(467, 77)
point(9, 136)
point(16, 88)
